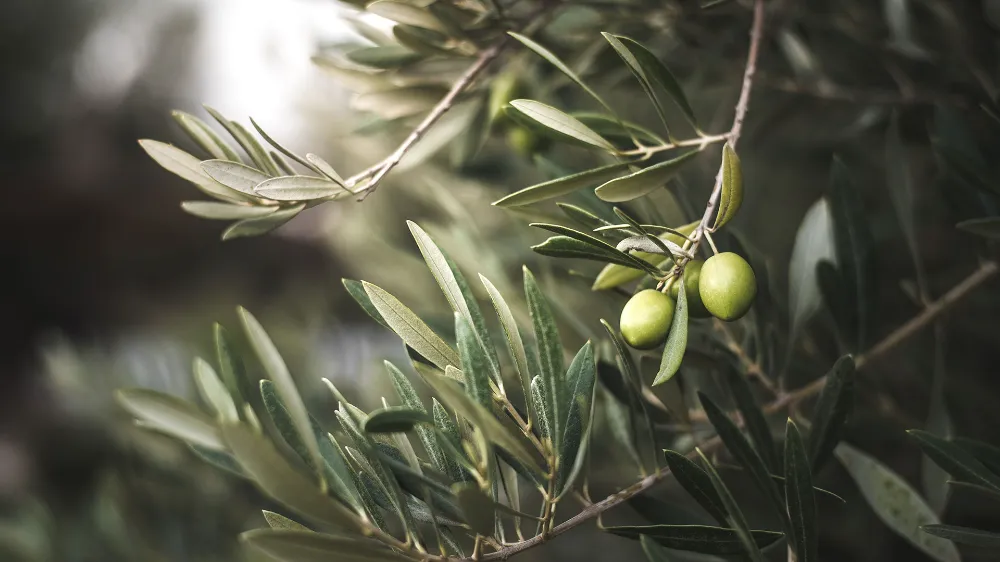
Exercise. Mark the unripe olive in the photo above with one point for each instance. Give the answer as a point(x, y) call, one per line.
point(727, 286)
point(525, 142)
point(692, 277)
point(646, 319)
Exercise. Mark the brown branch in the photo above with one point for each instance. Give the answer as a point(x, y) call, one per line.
point(930, 313)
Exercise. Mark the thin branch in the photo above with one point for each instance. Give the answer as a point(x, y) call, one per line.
point(380, 170)
point(933, 310)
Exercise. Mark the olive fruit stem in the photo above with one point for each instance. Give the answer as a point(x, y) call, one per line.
point(711, 243)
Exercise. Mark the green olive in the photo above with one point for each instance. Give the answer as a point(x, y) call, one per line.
point(646, 319)
point(692, 276)
point(525, 142)
point(504, 89)
point(727, 286)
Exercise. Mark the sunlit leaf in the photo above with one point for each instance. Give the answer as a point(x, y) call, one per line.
point(395, 420)
point(224, 211)
point(262, 225)
point(408, 326)
point(299, 188)
point(644, 181)
point(234, 175)
point(182, 164)
point(171, 415)
point(278, 521)
point(205, 137)
point(389, 56)
point(254, 149)
point(402, 12)
point(895, 502)
point(563, 124)
point(214, 391)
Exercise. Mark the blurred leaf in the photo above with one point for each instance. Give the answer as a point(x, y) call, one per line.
point(653, 551)
point(561, 123)
point(964, 535)
point(324, 168)
point(832, 409)
point(673, 349)
point(205, 137)
point(276, 370)
point(814, 242)
point(986, 454)
point(171, 415)
point(306, 546)
point(642, 182)
point(800, 496)
point(278, 521)
point(276, 478)
point(219, 459)
point(388, 56)
point(754, 420)
point(695, 538)
point(898, 16)
point(562, 186)
point(224, 211)
point(741, 450)
point(262, 225)
point(283, 422)
point(515, 343)
point(747, 538)
point(899, 177)
point(404, 13)
point(231, 367)
point(300, 188)
point(853, 241)
point(357, 291)
point(550, 355)
point(697, 483)
point(988, 228)
point(408, 326)
point(395, 419)
point(934, 478)
point(896, 503)
point(494, 431)
point(639, 71)
point(477, 507)
point(961, 464)
point(214, 392)
point(182, 164)
point(731, 197)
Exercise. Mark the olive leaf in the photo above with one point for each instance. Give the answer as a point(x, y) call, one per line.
point(644, 244)
point(964, 535)
point(171, 415)
point(600, 246)
point(206, 138)
point(657, 72)
point(562, 186)
point(697, 483)
point(753, 418)
point(257, 154)
point(477, 507)
point(814, 242)
point(733, 513)
point(800, 497)
point(300, 188)
point(550, 357)
point(639, 72)
point(854, 242)
point(696, 538)
point(307, 546)
point(224, 211)
point(731, 197)
point(401, 12)
point(410, 328)
point(673, 349)
point(988, 228)
point(961, 464)
point(395, 420)
point(562, 124)
point(182, 164)
point(384, 56)
point(214, 391)
point(280, 148)
point(832, 410)
point(644, 181)
point(515, 343)
point(357, 291)
point(262, 225)
point(581, 380)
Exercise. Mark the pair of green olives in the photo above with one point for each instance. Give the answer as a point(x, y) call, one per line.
point(724, 286)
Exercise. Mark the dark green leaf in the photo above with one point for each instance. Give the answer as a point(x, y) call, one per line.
point(753, 418)
point(957, 461)
point(571, 248)
point(230, 366)
point(658, 72)
point(673, 349)
point(283, 422)
point(644, 181)
point(477, 507)
point(964, 535)
point(218, 459)
point(562, 186)
point(987, 227)
point(474, 362)
point(609, 127)
point(831, 412)
point(986, 454)
point(389, 56)
point(580, 380)
point(854, 242)
point(653, 551)
point(404, 13)
point(733, 514)
point(447, 434)
point(409, 397)
point(395, 420)
point(515, 344)
point(599, 245)
point(357, 291)
point(800, 496)
point(697, 483)
point(695, 538)
point(639, 72)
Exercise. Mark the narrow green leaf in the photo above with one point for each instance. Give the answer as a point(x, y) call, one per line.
point(540, 404)
point(214, 391)
point(230, 366)
point(404, 13)
point(171, 415)
point(409, 397)
point(280, 148)
point(800, 497)
point(731, 197)
point(695, 538)
point(182, 164)
point(964, 535)
point(832, 410)
point(585, 218)
point(224, 211)
point(357, 291)
point(234, 175)
point(285, 424)
point(515, 344)
point(323, 167)
point(275, 368)
point(205, 137)
point(697, 483)
point(572, 248)
point(658, 73)
point(447, 434)
point(278, 521)
point(741, 450)
point(612, 128)
point(395, 420)
point(410, 328)
point(262, 225)
point(988, 228)
point(300, 188)
point(276, 478)
point(895, 502)
point(307, 546)
point(599, 245)
point(388, 56)
point(639, 72)
point(644, 181)
point(854, 251)
point(653, 551)
point(580, 380)
point(562, 186)
point(958, 462)
point(734, 515)
point(219, 459)
point(494, 431)
point(474, 363)
point(563, 124)
point(550, 355)
point(339, 475)
point(753, 417)
point(257, 154)
point(986, 454)
point(477, 507)
point(673, 349)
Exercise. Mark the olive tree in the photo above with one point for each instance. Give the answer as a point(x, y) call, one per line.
point(500, 458)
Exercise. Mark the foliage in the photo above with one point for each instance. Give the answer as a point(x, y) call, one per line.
point(512, 420)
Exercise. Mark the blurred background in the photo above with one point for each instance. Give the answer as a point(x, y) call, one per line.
point(108, 284)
